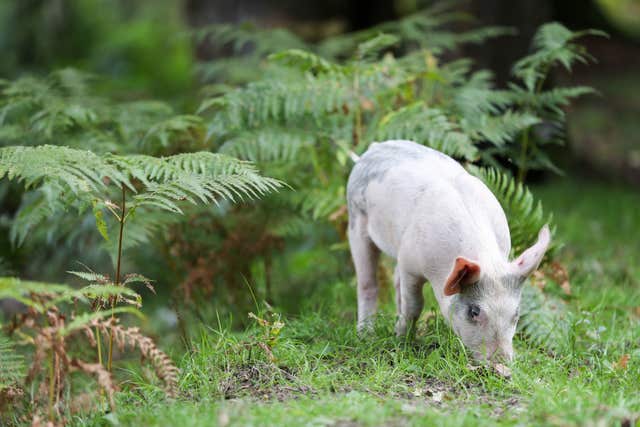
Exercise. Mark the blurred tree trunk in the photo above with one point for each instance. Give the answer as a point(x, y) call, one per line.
point(358, 14)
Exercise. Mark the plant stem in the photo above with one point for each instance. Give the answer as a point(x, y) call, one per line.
point(52, 380)
point(357, 127)
point(524, 147)
point(267, 278)
point(522, 166)
point(117, 278)
point(99, 345)
point(120, 235)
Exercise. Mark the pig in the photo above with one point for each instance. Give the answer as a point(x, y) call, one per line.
point(442, 225)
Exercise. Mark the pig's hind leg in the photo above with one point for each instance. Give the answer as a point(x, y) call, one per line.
point(365, 256)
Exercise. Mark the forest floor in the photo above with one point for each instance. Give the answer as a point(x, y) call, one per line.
point(322, 374)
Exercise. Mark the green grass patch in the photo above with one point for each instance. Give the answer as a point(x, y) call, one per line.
point(317, 371)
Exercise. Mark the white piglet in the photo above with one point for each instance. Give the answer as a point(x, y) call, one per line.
point(443, 225)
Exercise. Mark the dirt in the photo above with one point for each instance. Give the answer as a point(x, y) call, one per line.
point(264, 381)
point(267, 382)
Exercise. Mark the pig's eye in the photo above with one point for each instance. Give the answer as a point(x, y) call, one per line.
point(473, 312)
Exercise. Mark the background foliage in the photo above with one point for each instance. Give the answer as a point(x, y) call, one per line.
point(189, 151)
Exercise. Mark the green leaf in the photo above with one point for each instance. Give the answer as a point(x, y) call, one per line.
point(101, 224)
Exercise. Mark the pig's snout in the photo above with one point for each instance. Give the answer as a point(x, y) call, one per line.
point(502, 355)
point(498, 353)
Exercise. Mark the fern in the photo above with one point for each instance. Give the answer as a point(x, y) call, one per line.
point(251, 45)
point(545, 320)
point(498, 129)
point(12, 367)
point(269, 102)
point(549, 101)
point(185, 127)
point(305, 61)
point(79, 171)
point(429, 127)
point(64, 108)
point(553, 44)
point(423, 30)
point(245, 36)
point(56, 293)
point(269, 144)
point(167, 182)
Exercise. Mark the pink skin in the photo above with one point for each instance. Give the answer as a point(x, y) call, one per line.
point(442, 226)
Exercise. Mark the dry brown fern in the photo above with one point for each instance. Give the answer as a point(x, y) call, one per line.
point(9, 396)
point(124, 337)
point(102, 376)
point(52, 363)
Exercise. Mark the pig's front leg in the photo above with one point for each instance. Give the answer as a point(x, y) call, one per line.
point(365, 259)
point(411, 301)
point(396, 285)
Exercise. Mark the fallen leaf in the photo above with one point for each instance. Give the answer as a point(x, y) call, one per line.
point(622, 362)
point(437, 396)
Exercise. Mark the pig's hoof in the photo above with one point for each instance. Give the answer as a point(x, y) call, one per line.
point(502, 370)
point(401, 327)
point(365, 329)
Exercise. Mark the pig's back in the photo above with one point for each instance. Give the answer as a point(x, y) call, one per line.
point(383, 161)
point(402, 185)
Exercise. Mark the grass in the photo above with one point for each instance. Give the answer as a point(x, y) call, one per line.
point(322, 374)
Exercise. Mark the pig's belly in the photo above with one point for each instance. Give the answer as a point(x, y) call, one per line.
point(388, 214)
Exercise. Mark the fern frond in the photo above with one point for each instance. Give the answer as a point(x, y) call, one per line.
point(44, 204)
point(544, 320)
point(269, 144)
point(11, 287)
point(201, 177)
point(553, 44)
point(305, 61)
point(248, 37)
point(22, 290)
point(549, 101)
point(12, 366)
point(46, 106)
point(270, 102)
point(131, 337)
point(476, 95)
point(428, 126)
point(79, 171)
point(185, 127)
point(322, 202)
point(370, 49)
point(207, 176)
point(499, 129)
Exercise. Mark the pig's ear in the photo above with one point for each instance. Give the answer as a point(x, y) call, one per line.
point(530, 259)
point(464, 273)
